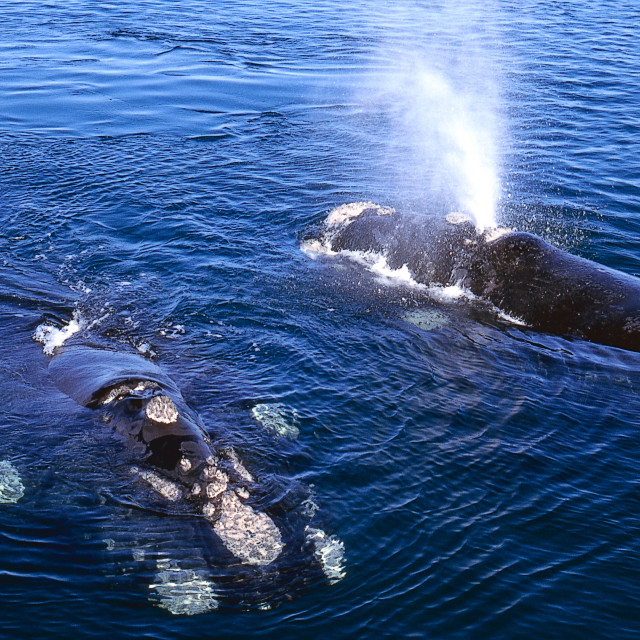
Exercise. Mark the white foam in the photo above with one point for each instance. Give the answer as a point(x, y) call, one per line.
point(456, 292)
point(11, 487)
point(329, 551)
point(380, 267)
point(503, 315)
point(53, 337)
point(490, 235)
point(138, 555)
point(314, 248)
point(173, 331)
point(309, 508)
point(145, 349)
point(106, 313)
point(277, 419)
point(182, 591)
point(450, 293)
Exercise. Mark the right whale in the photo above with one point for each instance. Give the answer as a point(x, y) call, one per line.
point(524, 276)
point(261, 543)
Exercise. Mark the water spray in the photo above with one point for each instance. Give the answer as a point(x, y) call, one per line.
point(438, 98)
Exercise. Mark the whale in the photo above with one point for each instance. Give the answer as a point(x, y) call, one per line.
point(525, 277)
point(256, 539)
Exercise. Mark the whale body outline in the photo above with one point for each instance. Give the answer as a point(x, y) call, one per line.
point(529, 279)
point(264, 550)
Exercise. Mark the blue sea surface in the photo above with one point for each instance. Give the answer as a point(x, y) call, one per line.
point(161, 163)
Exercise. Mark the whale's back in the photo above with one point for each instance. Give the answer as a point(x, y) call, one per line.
point(85, 374)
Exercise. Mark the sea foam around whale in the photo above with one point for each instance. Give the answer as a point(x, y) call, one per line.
point(53, 337)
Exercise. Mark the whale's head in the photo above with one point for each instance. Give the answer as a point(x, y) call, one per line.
point(162, 426)
point(429, 250)
point(323, 238)
point(181, 466)
point(345, 213)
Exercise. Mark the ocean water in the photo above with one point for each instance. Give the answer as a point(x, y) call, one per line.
point(160, 165)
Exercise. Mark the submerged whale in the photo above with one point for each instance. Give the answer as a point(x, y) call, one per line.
point(177, 459)
point(524, 276)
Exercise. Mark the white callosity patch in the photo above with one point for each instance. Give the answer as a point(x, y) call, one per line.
point(345, 213)
point(329, 551)
point(237, 466)
point(210, 471)
point(426, 319)
point(162, 409)
point(249, 535)
point(337, 219)
point(182, 591)
point(217, 482)
point(456, 217)
point(53, 337)
point(243, 492)
point(11, 487)
point(493, 234)
point(166, 488)
point(209, 511)
point(488, 234)
point(123, 389)
point(116, 393)
point(277, 420)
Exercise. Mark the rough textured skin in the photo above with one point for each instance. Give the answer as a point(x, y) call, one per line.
point(521, 274)
point(254, 538)
point(555, 291)
point(145, 407)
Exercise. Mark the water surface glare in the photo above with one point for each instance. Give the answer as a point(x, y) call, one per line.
point(161, 164)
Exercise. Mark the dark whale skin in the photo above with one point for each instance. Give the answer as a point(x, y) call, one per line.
point(524, 276)
point(557, 292)
point(88, 375)
point(259, 539)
